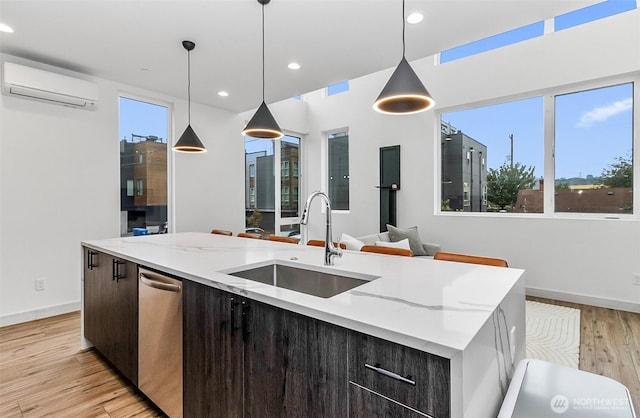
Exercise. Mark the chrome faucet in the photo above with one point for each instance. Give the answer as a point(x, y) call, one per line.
point(330, 250)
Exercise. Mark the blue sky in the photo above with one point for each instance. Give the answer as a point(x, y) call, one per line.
point(142, 118)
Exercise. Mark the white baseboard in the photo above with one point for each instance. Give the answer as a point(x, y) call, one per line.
point(584, 299)
point(40, 313)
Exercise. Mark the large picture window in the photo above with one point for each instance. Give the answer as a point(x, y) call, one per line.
point(493, 158)
point(593, 150)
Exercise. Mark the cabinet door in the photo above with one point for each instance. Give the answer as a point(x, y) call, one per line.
point(213, 352)
point(123, 318)
point(295, 366)
point(111, 310)
point(411, 377)
point(97, 293)
point(367, 404)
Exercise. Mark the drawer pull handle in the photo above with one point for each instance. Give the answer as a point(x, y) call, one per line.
point(387, 373)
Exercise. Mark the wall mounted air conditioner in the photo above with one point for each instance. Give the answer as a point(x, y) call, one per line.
point(32, 83)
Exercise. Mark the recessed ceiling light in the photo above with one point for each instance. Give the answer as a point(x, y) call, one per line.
point(415, 17)
point(294, 66)
point(223, 93)
point(5, 28)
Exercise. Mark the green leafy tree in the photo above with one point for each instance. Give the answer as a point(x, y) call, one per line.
point(254, 220)
point(619, 174)
point(504, 182)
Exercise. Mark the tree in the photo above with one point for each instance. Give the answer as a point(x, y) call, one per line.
point(619, 174)
point(504, 182)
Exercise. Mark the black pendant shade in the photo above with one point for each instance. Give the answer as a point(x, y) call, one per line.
point(263, 125)
point(404, 93)
point(189, 141)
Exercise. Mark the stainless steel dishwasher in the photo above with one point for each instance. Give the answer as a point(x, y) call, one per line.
point(160, 340)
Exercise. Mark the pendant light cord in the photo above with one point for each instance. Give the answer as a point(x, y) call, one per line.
point(403, 29)
point(263, 52)
point(189, 85)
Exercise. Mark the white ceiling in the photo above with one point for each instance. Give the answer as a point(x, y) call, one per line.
point(333, 40)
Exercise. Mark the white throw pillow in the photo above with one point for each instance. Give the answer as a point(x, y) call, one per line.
point(350, 242)
point(398, 244)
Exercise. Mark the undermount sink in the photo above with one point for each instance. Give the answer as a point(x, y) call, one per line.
point(324, 284)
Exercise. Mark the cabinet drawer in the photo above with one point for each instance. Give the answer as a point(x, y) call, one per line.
point(414, 378)
point(366, 404)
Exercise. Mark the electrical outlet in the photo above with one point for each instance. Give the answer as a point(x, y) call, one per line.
point(40, 284)
point(636, 279)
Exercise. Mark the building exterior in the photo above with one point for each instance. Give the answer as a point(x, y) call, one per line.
point(143, 183)
point(464, 171)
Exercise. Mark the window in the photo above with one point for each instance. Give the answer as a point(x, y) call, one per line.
point(338, 170)
point(466, 199)
point(140, 188)
point(295, 169)
point(252, 197)
point(265, 184)
point(284, 196)
point(565, 21)
point(593, 150)
point(338, 88)
point(591, 13)
point(493, 42)
point(492, 157)
point(143, 157)
point(295, 194)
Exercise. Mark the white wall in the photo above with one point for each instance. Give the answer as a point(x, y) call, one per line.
point(588, 260)
point(59, 183)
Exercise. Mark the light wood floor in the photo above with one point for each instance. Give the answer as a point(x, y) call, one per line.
point(44, 373)
point(609, 344)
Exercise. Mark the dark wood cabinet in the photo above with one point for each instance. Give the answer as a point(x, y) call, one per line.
point(212, 351)
point(294, 366)
point(410, 377)
point(111, 309)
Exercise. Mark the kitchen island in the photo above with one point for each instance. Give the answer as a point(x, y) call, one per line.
point(469, 318)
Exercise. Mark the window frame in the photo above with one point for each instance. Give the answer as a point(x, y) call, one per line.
point(171, 217)
point(548, 95)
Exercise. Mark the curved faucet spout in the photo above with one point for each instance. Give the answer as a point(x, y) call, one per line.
point(330, 250)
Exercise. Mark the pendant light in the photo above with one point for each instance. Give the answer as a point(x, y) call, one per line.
point(263, 124)
point(189, 141)
point(404, 93)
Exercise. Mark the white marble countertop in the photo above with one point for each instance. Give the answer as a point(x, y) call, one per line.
point(433, 306)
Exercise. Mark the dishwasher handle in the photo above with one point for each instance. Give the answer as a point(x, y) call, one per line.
point(147, 279)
